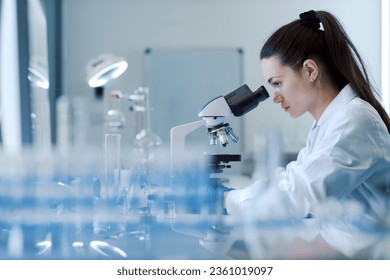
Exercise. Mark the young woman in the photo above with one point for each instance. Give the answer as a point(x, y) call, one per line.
point(314, 67)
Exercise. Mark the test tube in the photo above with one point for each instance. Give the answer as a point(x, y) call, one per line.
point(113, 166)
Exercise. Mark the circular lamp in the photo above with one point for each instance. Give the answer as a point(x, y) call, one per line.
point(105, 68)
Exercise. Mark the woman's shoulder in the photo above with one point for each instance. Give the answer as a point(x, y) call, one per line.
point(349, 107)
point(363, 114)
point(361, 120)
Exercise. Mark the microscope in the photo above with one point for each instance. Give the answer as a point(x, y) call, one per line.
point(213, 114)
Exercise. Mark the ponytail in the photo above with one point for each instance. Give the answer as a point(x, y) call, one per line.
point(347, 59)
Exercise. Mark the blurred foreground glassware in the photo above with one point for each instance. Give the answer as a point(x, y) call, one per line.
point(146, 141)
point(112, 166)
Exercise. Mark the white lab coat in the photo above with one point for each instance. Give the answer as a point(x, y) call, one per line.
point(346, 159)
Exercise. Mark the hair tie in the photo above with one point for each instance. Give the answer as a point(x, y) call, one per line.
point(310, 19)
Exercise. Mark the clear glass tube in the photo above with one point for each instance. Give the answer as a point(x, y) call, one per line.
point(114, 119)
point(112, 166)
point(146, 141)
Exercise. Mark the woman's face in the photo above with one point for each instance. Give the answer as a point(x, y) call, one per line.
point(293, 90)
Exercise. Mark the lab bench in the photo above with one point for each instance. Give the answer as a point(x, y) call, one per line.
point(54, 210)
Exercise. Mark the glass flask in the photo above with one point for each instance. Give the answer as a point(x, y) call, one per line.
point(146, 141)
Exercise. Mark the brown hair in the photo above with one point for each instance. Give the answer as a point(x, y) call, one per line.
point(331, 47)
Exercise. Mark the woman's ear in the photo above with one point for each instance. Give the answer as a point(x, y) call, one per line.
point(310, 69)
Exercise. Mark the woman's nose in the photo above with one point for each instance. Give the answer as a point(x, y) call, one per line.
point(277, 98)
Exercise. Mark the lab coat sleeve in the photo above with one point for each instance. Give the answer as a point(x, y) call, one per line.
point(241, 201)
point(260, 200)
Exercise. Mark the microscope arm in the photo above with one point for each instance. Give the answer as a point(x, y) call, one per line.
point(178, 137)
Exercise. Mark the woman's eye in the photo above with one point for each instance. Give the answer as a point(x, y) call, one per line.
point(277, 85)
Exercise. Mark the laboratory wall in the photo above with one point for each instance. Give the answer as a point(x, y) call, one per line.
point(128, 27)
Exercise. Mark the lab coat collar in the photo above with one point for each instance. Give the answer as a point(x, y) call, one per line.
point(344, 96)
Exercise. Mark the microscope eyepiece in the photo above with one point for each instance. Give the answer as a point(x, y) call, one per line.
point(243, 100)
point(261, 94)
